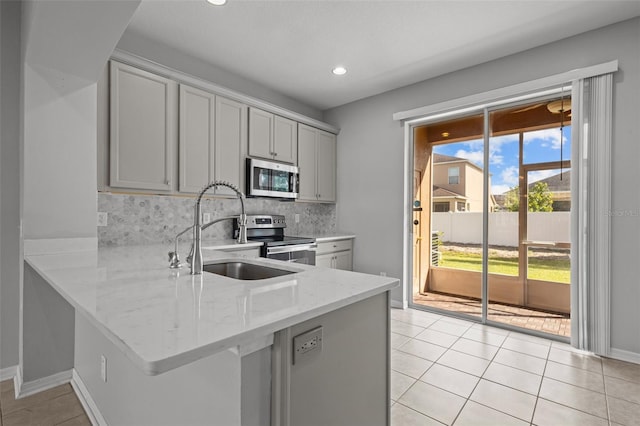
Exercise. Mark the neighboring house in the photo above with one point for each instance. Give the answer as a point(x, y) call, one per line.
point(457, 185)
point(559, 186)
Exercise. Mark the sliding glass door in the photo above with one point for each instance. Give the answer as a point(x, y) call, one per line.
point(492, 230)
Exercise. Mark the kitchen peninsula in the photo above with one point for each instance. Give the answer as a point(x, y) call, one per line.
point(159, 346)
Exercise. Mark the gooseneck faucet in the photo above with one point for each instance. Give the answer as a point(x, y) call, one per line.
point(196, 261)
point(174, 259)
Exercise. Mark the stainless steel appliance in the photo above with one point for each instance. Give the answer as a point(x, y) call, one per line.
point(271, 179)
point(270, 230)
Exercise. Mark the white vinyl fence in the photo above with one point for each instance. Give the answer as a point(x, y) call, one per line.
point(466, 227)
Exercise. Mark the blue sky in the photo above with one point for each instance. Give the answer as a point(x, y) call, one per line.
point(539, 147)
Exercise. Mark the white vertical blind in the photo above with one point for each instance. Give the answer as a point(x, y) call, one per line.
point(591, 186)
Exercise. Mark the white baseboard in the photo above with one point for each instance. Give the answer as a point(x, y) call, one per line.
point(86, 400)
point(622, 355)
point(8, 373)
point(399, 304)
point(29, 388)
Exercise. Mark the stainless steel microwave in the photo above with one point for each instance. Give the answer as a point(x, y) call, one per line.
point(271, 179)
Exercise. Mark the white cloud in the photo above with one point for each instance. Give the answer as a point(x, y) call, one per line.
point(510, 176)
point(476, 157)
point(499, 189)
point(549, 137)
point(541, 174)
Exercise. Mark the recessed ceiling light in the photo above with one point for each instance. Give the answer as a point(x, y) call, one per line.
point(445, 134)
point(339, 71)
point(217, 2)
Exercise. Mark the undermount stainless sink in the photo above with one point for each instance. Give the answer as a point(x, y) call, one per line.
point(244, 271)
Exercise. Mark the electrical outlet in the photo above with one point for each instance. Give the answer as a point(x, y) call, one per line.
point(102, 218)
point(297, 218)
point(383, 274)
point(307, 342)
point(206, 217)
point(103, 368)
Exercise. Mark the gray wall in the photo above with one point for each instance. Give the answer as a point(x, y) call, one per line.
point(49, 322)
point(371, 204)
point(9, 182)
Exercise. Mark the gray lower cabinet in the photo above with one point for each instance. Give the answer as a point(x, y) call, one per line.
point(212, 140)
point(142, 136)
point(334, 369)
point(337, 254)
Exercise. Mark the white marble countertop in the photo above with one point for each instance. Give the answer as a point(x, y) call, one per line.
point(229, 244)
point(162, 319)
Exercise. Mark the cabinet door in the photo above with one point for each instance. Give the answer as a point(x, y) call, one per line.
point(325, 260)
point(285, 140)
point(197, 136)
point(343, 260)
point(260, 133)
point(231, 140)
point(326, 166)
point(142, 128)
point(307, 162)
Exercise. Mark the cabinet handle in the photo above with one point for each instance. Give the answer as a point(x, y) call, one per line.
point(275, 154)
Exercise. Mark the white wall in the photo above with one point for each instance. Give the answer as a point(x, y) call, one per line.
point(10, 246)
point(503, 227)
point(370, 204)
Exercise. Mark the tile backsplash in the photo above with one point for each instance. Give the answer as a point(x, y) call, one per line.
point(149, 219)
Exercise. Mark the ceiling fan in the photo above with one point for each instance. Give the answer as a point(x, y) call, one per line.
point(555, 107)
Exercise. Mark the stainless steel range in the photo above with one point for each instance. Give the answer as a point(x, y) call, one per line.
point(269, 229)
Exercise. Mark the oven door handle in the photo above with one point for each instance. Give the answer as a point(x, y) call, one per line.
point(291, 248)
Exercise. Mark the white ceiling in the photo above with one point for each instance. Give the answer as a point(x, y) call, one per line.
point(291, 46)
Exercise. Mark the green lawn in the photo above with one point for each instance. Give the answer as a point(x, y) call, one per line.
point(539, 269)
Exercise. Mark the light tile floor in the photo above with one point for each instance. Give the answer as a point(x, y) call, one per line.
point(449, 371)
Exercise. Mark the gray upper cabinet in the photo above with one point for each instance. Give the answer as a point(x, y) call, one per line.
point(326, 166)
point(197, 138)
point(272, 137)
point(142, 126)
point(317, 163)
point(231, 142)
point(212, 137)
point(169, 137)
